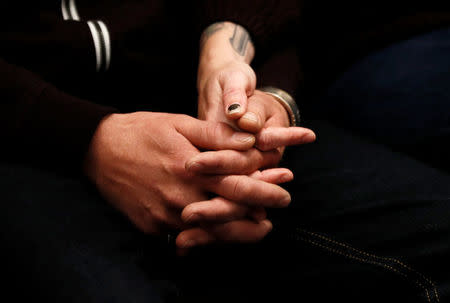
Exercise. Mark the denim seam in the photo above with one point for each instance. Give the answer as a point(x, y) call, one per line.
point(375, 260)
point(382, 258)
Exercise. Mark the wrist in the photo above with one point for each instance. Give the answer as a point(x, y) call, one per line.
point(286, 100)
point(97, 143)
point(216, 43)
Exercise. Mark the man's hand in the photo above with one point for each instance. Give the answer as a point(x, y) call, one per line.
point(140, 163)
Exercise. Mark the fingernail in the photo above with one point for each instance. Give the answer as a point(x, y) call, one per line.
point(194, 166)
point(310, 137)
point(234, 108)
point(268, 225)
point(286, 178)
point(286, 201)
point(191, 218)
point(250, 117)
point(243, 137)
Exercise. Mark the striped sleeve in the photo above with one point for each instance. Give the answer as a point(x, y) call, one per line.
point(100, 34)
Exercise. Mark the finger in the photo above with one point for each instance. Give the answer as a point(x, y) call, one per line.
point(214, 135)
point(232, 162)
point(221, 210)
point(243, 231)
point(257, 213)
point(214, 210)
point(255, 117)
point(274, 175)
point(274, 137)
point(248, 191)
point(235, 88)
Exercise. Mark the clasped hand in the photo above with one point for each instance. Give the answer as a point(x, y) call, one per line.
point(150, 167)
point(211, 179)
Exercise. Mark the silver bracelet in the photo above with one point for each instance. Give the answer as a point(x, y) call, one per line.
point(287, 101)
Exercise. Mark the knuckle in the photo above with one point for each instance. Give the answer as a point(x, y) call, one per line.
point(249, 162)
point(264, 141)
point(231, 92)
point(175, 199)
point(212, 131)
point(219, 130)
point(189, 212)
point(240, 188)
point(182, 117)
point(217, 133)
point(215, 163)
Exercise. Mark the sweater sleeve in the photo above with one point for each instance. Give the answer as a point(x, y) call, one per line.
point(282, 69)
point(266, 20)
point(43, 125)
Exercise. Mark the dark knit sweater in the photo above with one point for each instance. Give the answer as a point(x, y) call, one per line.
point(53, 98)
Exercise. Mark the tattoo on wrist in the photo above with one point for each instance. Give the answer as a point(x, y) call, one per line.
point(211, 30)
point(240, 39)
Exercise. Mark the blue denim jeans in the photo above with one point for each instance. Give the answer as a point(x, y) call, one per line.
point(399, 96)
point(369, 221)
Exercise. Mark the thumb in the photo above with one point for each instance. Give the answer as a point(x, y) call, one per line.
point(234, 94)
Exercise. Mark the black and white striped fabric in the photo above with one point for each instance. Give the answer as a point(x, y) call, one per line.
point(99, 31)
point(69, 10)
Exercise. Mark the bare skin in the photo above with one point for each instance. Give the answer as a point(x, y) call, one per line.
point(151, 168)
point(226, 85)
point(140, 164)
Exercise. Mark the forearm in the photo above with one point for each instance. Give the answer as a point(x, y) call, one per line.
point(222, 43)
point(226, 40)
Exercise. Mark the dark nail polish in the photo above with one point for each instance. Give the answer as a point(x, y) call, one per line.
point(235, 107)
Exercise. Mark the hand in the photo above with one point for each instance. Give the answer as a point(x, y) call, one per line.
point(235, 227)
point(138, 162)
point(269, 120)
point(223, 91)
point(225, 78)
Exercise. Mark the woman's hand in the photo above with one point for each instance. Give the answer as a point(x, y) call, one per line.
point(223, 91)
point(225, 79)
point(269, 121)
point(226, 85)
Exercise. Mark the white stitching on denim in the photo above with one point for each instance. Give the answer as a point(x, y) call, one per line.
point(377, 257)
point(436, 296)
point(367, 261)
